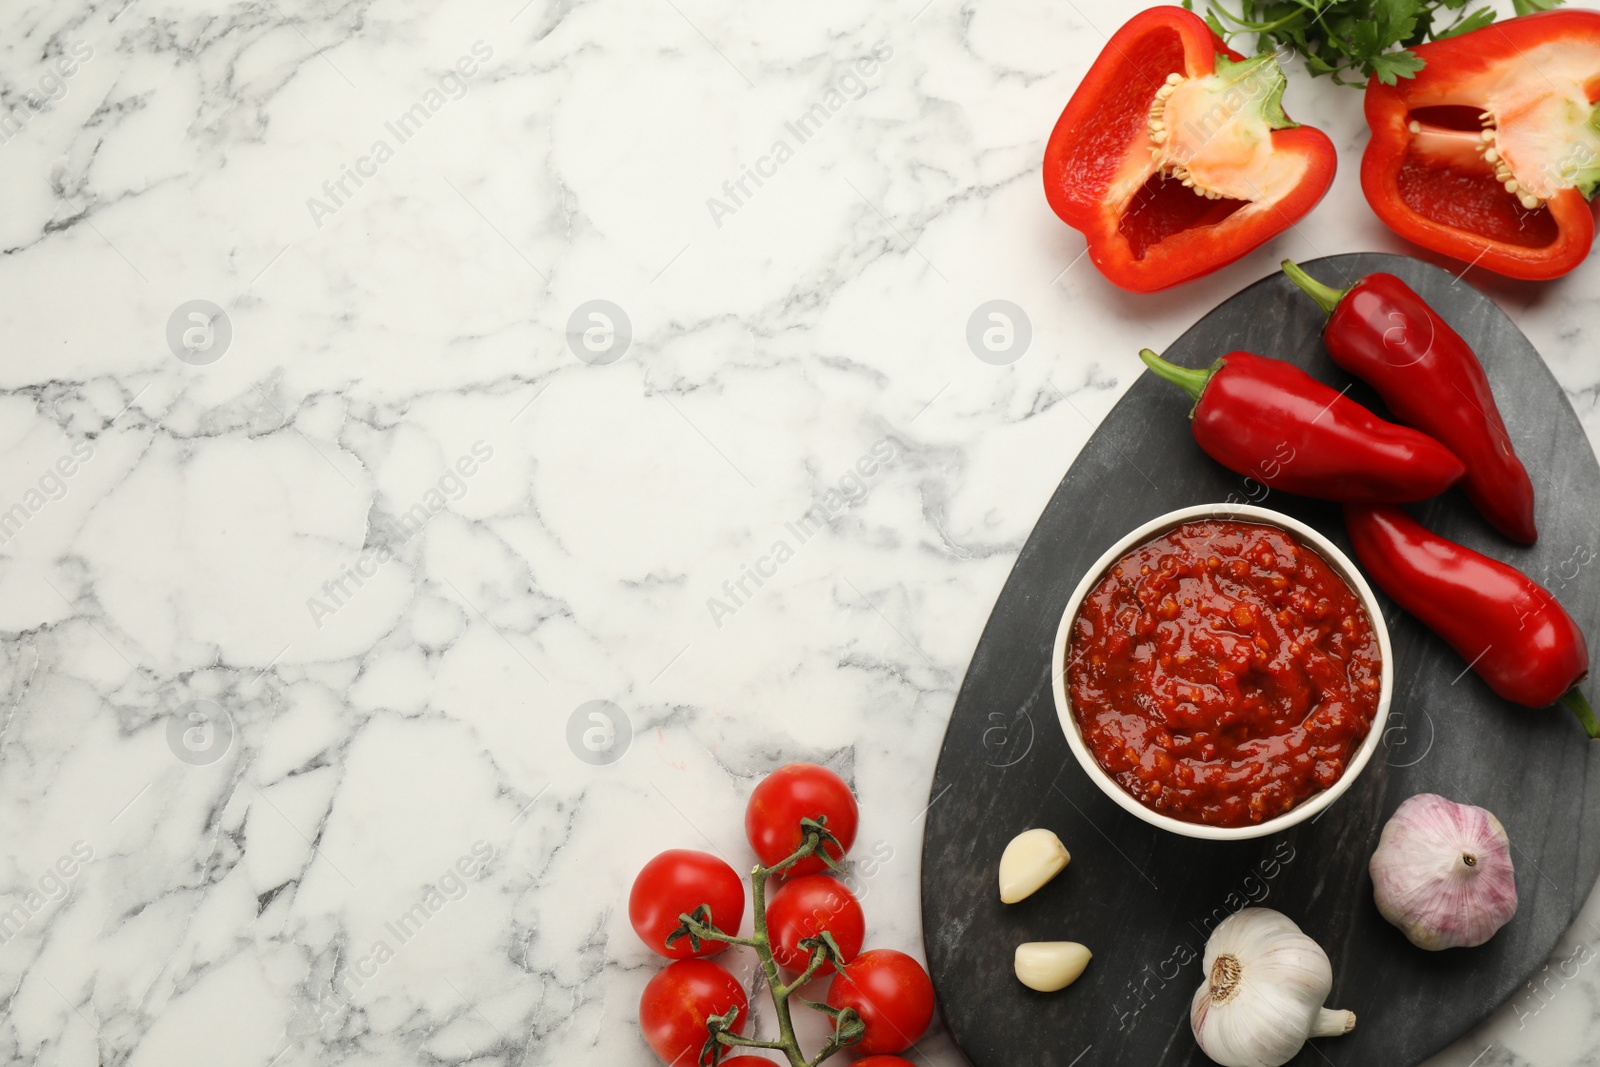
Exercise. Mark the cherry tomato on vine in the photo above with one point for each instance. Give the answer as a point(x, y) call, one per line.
point(754, 1061)
point(676, 883)
point(676, 1004)
point(892, 994)
point(804, 907)
point(789, 794)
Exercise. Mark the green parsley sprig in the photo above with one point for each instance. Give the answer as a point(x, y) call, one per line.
point(1341, 37)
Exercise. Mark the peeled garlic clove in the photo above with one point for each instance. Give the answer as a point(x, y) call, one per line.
point(1051, 965)
point(1262, 998)
point(1031, 859)
point(1442, 873)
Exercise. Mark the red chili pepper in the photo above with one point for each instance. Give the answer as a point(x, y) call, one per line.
point(1381, 331)
point(1492, 152)
point(1272, 421)
point(1508, 628)
point(1174, 156)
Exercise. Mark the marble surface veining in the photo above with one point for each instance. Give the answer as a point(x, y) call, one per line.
point(362, 640)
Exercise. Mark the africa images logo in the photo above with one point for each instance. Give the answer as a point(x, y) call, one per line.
point(599, 732)
point(199, 332)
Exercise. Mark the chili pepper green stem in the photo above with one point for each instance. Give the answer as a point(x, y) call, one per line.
point(1188, 379)
point(1574, 701)
point(1326, 296)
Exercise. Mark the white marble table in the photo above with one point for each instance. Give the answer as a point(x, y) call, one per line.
point(390, 532)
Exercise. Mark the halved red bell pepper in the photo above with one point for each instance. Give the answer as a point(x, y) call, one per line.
point(1174, 156)
point(1492, 152)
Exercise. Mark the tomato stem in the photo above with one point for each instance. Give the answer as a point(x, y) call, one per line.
point(706, 932)
point(819, 956)
point(815, 835)
point(747, 1042)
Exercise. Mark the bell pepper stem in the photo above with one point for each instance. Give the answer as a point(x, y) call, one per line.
point(1190, 380)
point(1574, 701)
point(1326, 296)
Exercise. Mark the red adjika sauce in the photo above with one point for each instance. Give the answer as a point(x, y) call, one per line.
point(1223, 672)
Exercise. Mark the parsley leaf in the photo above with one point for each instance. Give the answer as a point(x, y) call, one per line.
point(1475, 21)
point(1391, 66)
point(1350, 40)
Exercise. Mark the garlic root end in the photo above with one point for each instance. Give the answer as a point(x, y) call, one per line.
point(1332, 1023)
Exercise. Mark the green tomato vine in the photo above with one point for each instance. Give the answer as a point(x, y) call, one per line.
point(848, 1027)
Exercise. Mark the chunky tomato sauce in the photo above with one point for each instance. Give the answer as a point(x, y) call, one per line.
point(1223, 672)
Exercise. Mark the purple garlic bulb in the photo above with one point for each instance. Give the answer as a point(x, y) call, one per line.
point(1442, 873)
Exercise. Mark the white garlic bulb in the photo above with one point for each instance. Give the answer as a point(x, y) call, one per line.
point(1442, 873)
point(1031, 859)
point(1050, 965)
point(1263, 994)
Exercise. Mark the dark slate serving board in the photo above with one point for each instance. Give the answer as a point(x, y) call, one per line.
point(1143, 900)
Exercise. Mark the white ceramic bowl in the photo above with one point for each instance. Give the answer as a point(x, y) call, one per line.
point(1341, 564)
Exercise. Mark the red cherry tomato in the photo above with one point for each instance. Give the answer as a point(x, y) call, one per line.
point(678, 1001)
point(752, 1061)
point(792, 793)
point(676, 883)
point(892, 994)
point(804, 907)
